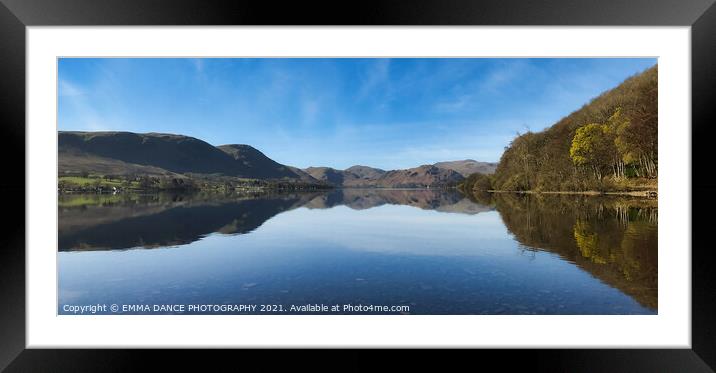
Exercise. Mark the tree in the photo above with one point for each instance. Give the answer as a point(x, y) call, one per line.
point(616, 125)
point(637, 138)
point(145, 182)
point(592, 146)
point(476, 182)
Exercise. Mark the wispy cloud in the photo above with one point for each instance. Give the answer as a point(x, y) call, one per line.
point(86, 118)
point(506, 73)
point(468, 93)
point(198, 64)
point(67, 89)
point(377, 76)
point(82, 114)
point(310, 108)
point(455, 104)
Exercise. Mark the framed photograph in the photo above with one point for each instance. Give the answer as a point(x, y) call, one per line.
point(445, 176)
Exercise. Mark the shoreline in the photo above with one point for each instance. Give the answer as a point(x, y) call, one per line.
point(640, 193)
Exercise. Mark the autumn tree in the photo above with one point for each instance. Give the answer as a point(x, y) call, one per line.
point(616, 126)
point(593, 147)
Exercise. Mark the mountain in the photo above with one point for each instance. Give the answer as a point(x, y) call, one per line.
point(365, 172)
point(423, 176)
point(362, 176)
point(174, 153)
point(326, 174)
point(303, 175)
point(367, 177)
point(468, 167)
point(125, 153)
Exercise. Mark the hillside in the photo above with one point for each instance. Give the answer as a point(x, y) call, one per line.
point(365, 172)
point(256, 163)
point(303, 175)
point(610, 144)
point(423, 176)
point(326, 175)
point(468, 167)
point(72, 161)
point(125, 153)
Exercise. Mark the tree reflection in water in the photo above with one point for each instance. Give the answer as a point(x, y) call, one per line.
point(612, 238)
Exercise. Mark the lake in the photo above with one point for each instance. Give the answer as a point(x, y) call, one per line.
point(357, 251)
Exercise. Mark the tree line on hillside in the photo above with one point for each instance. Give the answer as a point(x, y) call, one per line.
point(608, 144)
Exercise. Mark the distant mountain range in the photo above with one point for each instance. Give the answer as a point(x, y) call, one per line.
point(126, 153)
point(363, 176)
point(468, 167)
point(441, 173)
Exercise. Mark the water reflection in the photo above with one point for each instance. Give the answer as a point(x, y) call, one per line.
point(109, 222)
point(123, 221)
point(613, 238)
point(439, 250)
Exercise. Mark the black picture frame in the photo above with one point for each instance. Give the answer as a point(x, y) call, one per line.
point(16, 15)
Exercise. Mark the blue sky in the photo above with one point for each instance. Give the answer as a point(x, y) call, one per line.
point(386, 113)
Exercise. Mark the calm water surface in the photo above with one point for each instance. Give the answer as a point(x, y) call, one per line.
point(436, 252)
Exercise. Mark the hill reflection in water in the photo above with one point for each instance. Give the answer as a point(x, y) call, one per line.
point(612, 239)
point(111, 222)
